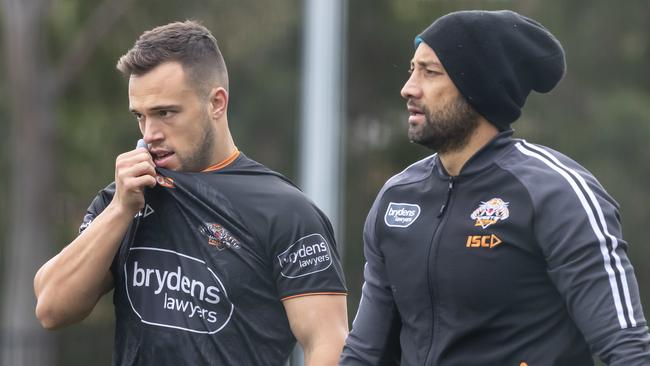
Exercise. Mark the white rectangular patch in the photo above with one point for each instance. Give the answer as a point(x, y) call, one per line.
point(308, 255)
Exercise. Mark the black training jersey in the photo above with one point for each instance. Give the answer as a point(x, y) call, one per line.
point(518, 260)
point(201, 273)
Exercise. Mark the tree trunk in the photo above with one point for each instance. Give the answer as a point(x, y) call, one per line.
point(29, 240)
point(34, 88)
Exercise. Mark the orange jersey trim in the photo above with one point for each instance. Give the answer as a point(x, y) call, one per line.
point(222, 164)
point(314, 293)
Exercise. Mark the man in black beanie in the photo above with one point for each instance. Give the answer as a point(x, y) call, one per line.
point(493, 251)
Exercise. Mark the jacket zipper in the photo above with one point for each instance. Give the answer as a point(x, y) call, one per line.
point(440, 216)
point(443, 208)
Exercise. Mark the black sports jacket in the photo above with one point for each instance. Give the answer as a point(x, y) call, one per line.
point(517, 261)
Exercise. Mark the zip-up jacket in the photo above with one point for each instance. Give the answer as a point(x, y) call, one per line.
point(517, 261)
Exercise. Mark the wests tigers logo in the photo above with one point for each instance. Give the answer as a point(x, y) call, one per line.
point(490, 212)
point(218, 236)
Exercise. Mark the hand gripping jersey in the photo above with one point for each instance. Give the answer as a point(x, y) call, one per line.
point(517, 261)
point(201, 272)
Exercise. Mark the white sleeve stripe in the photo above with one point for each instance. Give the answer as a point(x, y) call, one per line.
point(562, 170)
point(601, 218)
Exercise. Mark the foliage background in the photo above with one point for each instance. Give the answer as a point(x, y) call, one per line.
point(599, 114)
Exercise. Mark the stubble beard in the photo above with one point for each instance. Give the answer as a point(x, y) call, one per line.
point(201, 157)
point(447, 129)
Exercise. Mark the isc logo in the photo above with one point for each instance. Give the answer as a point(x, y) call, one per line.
point(483, 241)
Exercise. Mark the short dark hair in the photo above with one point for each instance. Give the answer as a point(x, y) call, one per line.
point(188, 43)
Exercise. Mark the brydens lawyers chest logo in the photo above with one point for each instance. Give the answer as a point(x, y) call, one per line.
point(169, 289)
point(218, 236)
point(490, 212)
point(308, 255)
point(401, 214)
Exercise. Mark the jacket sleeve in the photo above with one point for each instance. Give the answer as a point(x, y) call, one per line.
point(577, 226)
point(374, 339)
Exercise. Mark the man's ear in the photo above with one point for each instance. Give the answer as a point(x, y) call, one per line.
point(218, 103)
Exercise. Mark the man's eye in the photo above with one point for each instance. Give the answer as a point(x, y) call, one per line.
point(410, 70)
point(138, 116)
point(164, 114)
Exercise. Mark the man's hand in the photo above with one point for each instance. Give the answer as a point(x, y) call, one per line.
point(134, 170)
point(69, 285)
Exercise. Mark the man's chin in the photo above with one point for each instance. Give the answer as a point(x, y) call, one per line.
point(430, 143)
point(414, 134)
point(417, 138)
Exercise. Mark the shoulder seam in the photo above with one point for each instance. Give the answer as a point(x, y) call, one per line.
point(388, 187)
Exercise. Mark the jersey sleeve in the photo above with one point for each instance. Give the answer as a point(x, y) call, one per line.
point(304, 257)
point(374, 339)
point(98, 205)
point(577, 226)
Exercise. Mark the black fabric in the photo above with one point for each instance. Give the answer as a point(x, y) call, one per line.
point(515, 270)
point(201, 273)
point(495, 58)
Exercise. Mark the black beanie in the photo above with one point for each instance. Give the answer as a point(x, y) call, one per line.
point(495, 58)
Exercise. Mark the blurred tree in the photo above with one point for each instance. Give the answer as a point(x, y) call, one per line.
point(35, 84)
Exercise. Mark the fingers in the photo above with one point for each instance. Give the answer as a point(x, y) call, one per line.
point(136, 176)
point(134, 170)
point(133, 157)
point(137, 169)
point(137, 184)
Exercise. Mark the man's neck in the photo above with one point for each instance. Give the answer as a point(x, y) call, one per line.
point(224, 144)
point(225, 147)
point(454, 161)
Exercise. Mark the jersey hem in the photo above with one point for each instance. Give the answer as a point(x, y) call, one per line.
point(314, 293)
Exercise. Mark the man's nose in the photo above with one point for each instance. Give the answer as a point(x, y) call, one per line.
point(152, 132)
point(411, 89)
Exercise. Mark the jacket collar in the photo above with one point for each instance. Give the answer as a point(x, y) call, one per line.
point(482, 159)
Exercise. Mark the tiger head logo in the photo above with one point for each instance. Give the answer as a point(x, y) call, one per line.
point(218, 236)
point(490, 212)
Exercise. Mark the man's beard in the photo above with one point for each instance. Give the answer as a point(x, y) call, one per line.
point(201, 157)
point(446, 129)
